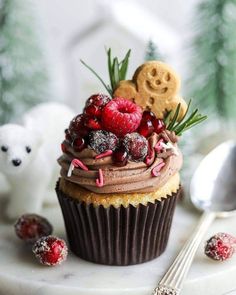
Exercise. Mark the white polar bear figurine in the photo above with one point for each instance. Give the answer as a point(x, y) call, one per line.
point(28, 156)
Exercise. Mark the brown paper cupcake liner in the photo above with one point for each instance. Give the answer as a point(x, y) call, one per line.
point(117, 236)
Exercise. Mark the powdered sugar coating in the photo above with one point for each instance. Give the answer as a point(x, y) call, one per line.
point(101, 141)
point(136, 146)
point(50, 250)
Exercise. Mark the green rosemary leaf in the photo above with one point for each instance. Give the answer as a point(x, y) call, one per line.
point(167, 118)
point(116, 72)
point(173, 120)
point(182, 120)
point(187, 121)
point(192, 125)
point(100, 79)
point(110, 67)
point(124, 65)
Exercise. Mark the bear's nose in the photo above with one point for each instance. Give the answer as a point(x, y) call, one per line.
point(16, 162)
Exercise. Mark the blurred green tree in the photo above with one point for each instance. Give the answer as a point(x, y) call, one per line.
point(152, 52)
point(213, 71)
point(23, 81)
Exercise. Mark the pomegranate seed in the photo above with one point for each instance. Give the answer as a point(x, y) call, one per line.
point(146, 128)
point(77, 127)
point(93, 123)
point(93, 110)
point(147, 115)
point(159, 126)
point(63, 148)
point(78, 144)
point(99, 100)
point(120, 157)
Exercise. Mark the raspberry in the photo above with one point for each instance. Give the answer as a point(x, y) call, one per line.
point(78, 144)
point(120, 157)
point(50, 250)
point(121, 116)
point(136, 146)
point(101, 141)
point(31, 227)
point(220, 247)
point(77, 127)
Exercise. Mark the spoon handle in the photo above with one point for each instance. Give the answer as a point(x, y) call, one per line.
point(172, 282)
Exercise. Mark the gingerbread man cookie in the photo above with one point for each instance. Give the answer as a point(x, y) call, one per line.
point(155, 87)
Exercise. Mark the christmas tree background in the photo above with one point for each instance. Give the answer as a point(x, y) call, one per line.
point(213, 67)
point(152, 52)
point(23, 79)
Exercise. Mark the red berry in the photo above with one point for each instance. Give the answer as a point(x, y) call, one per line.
point(121, 116)
point(92, 123)
point(220, 247)
point(67, 135)
point(101, 141)
point(31, 227)
point(93, 111)
point(136, 146)
point(99, 100)
point(147, 115)
point(120, 157)
point(78, 144)
point(158, 125)
point(63, 148)
point(77, 127)
point(146, 128)
point(50, 250)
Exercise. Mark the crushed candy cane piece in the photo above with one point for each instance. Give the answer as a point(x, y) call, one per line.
point(75, 163)
point(156, 170)
point(105, 154)
point(100, 180)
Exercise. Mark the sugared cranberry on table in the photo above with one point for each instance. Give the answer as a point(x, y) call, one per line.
point(101, 141)
point(220, 247)
point(31, 227)
point(50, 250)
point(121, 116)
point(136, 146)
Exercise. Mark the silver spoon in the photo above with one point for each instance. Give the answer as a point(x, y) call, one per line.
point(213, 191)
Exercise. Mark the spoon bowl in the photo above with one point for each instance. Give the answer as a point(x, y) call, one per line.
point(213, 185)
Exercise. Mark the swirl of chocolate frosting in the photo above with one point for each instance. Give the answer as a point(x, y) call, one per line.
point(134, 177)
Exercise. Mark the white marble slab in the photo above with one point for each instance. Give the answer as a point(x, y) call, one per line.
point(20, 274)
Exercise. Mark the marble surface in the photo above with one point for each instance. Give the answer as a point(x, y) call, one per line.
point(20, 274)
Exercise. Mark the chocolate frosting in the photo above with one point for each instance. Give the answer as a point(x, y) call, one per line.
point(134, 177)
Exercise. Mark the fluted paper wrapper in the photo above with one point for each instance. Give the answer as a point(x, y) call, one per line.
point(117, 236)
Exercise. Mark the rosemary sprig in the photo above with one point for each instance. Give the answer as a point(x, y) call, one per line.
point(185, 123)
point(117, 70)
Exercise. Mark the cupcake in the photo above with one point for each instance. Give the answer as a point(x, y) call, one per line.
point(120, 166)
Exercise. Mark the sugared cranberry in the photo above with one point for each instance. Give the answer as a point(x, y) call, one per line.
point(136, 146)
point(78, 144)
point(77, 127)
point(120, 157)
point(31, 227)
point(50, 250)
point(146, 128)
point(99, 100)
point(158, 125)
point(101, 141)
point(92, 123)
point(121, 116)
point(220, 247)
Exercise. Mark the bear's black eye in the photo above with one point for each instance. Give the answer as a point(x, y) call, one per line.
point(28, 149)
point(4, 148)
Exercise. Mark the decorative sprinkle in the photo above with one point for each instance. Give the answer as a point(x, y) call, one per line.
point(158, 147)
point(156, 170)
point(75, 163)
point(105, 154)
point(100, 180)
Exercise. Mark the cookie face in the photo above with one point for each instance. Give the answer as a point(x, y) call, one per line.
point(155, 87)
